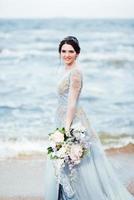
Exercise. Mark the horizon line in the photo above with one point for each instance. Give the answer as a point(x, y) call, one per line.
point(65, 17)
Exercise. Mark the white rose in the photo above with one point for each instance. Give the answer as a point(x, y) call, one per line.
point(76, 152)
point(62, 152)
point(57, 137)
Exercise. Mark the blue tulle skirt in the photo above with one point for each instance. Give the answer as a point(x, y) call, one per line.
point(94, 179)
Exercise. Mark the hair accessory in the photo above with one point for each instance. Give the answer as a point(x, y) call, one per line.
point(72, 38)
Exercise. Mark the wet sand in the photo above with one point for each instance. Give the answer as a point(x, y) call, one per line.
point(23, 178)
point(128, 149)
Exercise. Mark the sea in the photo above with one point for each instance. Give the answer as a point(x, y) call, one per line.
point(30, 68)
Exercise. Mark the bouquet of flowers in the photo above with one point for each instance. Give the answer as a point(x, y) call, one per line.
point(68, 148)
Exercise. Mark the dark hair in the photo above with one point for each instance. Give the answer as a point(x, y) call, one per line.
point(73, 41)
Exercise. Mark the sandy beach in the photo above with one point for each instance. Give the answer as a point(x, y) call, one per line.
point(23, 178)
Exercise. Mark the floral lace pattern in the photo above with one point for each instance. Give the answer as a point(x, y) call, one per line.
point(72, 80)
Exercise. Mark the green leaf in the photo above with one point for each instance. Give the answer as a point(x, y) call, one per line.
point(49, 150)
point(62, 130)
point(53, 157)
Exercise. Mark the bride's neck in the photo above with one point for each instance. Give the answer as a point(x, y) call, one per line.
point(70, 67)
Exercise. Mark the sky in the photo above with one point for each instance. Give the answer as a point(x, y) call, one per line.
point(67, 8)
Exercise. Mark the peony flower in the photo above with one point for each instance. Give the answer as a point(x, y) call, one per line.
point(76, 152)
point(57, 137)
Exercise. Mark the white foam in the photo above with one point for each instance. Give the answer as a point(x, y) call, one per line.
point(23, 146)
point(114, 143)
point(120, 56)
point(9, 149)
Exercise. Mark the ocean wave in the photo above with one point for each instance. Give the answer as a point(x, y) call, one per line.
point(103, 36)
point(17, 147)
point(25, 147)
point(4, 35)
point(98, 56)
point(17, 53)
point(115, 141)
point(25, 53)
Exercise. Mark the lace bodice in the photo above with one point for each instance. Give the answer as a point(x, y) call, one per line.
point(69, 90)
point(70, 86)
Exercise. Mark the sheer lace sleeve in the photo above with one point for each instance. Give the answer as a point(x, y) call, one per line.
point(74, 92)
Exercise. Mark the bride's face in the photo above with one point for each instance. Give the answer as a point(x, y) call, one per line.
point(68, 54)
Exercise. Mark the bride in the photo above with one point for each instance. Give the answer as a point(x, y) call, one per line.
point(94, 177)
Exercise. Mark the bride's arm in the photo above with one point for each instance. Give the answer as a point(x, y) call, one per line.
point(74, 90)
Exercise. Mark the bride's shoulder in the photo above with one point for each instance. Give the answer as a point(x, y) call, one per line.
point(76, 78)
point(77, 72)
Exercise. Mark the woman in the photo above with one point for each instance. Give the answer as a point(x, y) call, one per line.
point(94, 176)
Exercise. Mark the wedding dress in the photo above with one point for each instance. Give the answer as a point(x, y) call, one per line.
point(94, 178)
